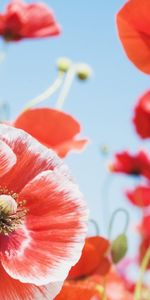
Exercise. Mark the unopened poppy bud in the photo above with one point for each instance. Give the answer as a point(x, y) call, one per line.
point(119, 248)
point(7, 205)
point(83, 71)
point(63, 64)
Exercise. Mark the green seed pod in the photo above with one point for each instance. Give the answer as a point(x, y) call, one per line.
point(119, 248)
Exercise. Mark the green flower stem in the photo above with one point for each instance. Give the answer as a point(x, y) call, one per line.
point(144, 264)
point(66, 87)
point(95, 226)
point(3, 51)
point(46, 94)
point(115, 213)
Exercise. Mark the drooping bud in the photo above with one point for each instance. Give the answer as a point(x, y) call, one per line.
point(8, 205)
point(83, 71)
point(119, 248)
point(63, 64)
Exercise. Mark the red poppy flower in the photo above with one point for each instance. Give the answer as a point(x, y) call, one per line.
point(140, 196)
point(53, 128)
point(137, 164)
point(116, 288)
point(133, 21)
point(42, 218)
point(92, 288)
point(93, 258)
point(86, 289)
point(80, 283)
point(142, 116)
point(21, 20)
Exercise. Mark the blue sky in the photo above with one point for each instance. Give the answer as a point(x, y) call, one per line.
point(103, 104)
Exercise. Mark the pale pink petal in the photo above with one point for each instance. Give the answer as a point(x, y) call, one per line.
point(32, 158)
point(7, 158)
point(56, 228)
point(11, 289)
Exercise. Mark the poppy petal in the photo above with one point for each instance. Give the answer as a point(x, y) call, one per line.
point(32, 158)
point(71, 145)
point(140, 196)
point(21, 20)
point(92, 255)
point(40, 21)
point(75, 290)
point(133, 24)
point(49, 126)
point(141, 118)
point(56, 227)
point(7, 158)
point(14, 289)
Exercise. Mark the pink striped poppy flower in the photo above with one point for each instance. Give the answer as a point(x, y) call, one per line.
point(42, 218)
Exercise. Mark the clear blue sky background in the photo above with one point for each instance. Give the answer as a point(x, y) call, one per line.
point(103, 105)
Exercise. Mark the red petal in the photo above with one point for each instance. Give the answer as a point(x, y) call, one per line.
point(133, 22)
point(145, 244)
point(76, 290)
point(140, 196)
point(21, 20)
point(71, 145)
point(91, 258)
point(142, 116)
point(104, 267)
point(49, 126)
point(56, 223)
point(135, 165)
point(145, 226)
point(32, 158)
point(40, 21)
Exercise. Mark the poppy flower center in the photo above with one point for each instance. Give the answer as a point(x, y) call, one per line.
point(9, 35)
point(135, 172)
point(11, 213)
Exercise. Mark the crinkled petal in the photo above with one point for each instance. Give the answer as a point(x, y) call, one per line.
point(56, 227)
point(11, 289)
point(140, 196)
point(71, 145)
point(50, 126)
point(7, 158)
point(21, 20)
point(92, 255)
point(32, 158)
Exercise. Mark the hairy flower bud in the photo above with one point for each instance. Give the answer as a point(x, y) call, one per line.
point(83, 71)
point(63, 64)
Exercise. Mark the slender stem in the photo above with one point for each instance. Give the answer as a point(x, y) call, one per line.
point(105, 191)
point(3, 51)
point(95, 225)
point(46, 94)
point(66, 87)
point(119, 210)
point(104, 296)
point(144, 264)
